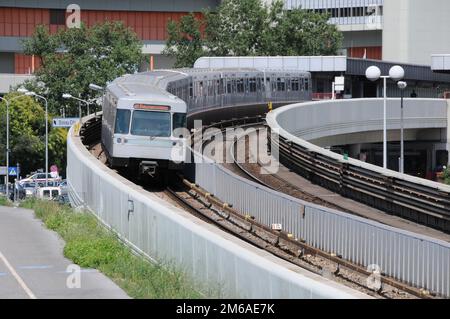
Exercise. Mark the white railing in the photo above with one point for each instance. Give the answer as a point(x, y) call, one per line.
point(162, 232)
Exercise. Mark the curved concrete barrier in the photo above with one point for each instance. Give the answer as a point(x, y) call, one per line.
point(162, 232)
point(306, 123)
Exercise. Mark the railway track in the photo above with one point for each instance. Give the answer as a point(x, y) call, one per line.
point(421, 204)
point(204, 205)
point(283, 186)
point(283, 245)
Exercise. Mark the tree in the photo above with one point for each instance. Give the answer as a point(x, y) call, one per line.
point(251, 28)
point(299, 32)
point(184, 40)
point(27, 135)
point(236, 28)
point(74, 58)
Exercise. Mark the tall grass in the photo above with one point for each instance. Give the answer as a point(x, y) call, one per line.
point(4, 202)
point(90, 245)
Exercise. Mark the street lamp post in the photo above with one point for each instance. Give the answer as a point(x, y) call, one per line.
point(402, 86)
point(98, 88)
point(7, 139)
point(396, 73)
point(34, 94)
point(70, 96)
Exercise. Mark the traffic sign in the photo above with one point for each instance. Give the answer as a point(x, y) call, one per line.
point(64, 121)
point(339, 83)
point(2, 170)
point(12, 171)
point(54, 171)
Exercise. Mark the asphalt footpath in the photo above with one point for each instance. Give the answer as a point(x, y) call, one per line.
point(32, 264)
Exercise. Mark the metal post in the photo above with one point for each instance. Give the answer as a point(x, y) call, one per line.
point(79, 111)
point(7, 146)
point(384, 124)
point(46, 134)
point(7, 150)
point(402, 149)
point(46, 143)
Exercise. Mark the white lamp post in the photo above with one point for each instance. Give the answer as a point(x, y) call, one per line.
point(95, 87)
point(402, 86)
point(396, 73)
point(69, 96)
point(8, 102)
point(28, 93)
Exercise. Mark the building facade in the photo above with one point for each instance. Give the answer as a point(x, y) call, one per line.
point(404, 31)
point(361, 22)
point(415, 29)
point(18, 20)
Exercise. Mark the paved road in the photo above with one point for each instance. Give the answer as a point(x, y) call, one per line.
point(32, 264)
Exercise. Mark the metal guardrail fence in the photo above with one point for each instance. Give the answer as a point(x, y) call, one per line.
point(162, 232)
point(420, 261)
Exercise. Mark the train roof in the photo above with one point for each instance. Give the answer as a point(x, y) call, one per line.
point(144, 85)
point(152, 83)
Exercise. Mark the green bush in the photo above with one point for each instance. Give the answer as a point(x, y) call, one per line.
point(3, 201)
point(447, 176)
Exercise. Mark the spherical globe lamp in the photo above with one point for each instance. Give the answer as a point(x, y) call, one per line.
point(396, 73)
point(373, 73)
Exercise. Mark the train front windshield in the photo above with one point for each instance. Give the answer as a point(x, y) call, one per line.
point(149, 123)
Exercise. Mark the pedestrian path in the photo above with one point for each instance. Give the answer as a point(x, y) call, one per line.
point(32, 264)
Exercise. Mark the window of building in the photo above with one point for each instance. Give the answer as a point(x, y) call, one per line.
point(57, 17)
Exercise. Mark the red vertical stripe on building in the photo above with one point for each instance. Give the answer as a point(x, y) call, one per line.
point(147, 25)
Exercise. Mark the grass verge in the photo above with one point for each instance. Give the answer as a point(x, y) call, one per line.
point(4, 202)
point(90, 245)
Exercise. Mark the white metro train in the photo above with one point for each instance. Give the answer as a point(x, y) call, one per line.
point(142, 112)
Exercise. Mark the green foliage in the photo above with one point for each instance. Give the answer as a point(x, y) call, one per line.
point(184, 40)
point(447, 176)
point(236, 28)
point(90, 245)
point(299, 32)
point(74, 58)
point(4, 201)
point(27, 135)
point(250, 28)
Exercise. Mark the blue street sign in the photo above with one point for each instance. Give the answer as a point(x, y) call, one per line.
point(12, 171)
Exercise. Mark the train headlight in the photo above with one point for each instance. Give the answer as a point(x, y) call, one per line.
point(119, 140)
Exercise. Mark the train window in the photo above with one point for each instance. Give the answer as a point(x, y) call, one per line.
point(295, 84)
point(240, 85)
point(252, 84)
point(156, 124)
point(229, 85)
point(179, 120)
point(281, 85)
point(220, 86)
point(210, 88)
point(199, 88)
point(122, 122)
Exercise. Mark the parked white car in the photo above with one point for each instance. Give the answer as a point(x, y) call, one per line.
point(40, 178)
point(50, 193)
